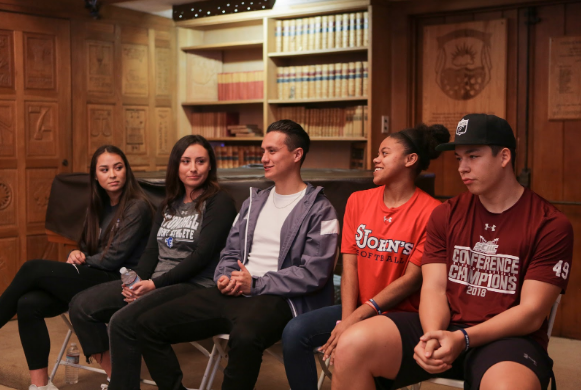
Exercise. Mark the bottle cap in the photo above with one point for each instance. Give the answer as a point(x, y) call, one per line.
point(123, 270)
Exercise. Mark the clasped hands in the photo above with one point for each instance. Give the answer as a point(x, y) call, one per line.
point(240, 282)
point(437, 350)
point(76, 257)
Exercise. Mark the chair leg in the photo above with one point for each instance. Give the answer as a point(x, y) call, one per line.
point(60, 355)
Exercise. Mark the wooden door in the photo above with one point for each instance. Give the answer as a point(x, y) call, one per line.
point(35, 132)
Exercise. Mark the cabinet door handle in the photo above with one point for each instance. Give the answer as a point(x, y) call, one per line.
point(65, 162)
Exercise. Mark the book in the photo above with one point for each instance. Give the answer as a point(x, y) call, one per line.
point(286, 83)
point(324, 31)
point(292, 35)
point(345, 30)
point(344, 80)
point(278, 36)
point(325, 81)
point(338, 31)
point(285, 35)
point(318, 22)
point(279, 81)
point(352, 27)
point(299, 35)
point(366, 28)
point(358, 29)
point(311, 82)
point(318, 81)
point(365, 81)
point(305, 34)
point(358, 78)
point(291, 83)
point(331, 76)
point(311, 34)
point(299, 82)
point(330, 32)
point(351, 80)
point(338, 79)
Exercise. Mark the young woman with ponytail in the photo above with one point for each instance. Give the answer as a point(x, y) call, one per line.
point(114, 235)
point(383, 236)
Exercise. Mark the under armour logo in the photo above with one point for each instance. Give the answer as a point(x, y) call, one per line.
point(526, 356)
point(385, 219)
point(493, 227)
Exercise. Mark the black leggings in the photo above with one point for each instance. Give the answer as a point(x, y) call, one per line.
point(42, 289)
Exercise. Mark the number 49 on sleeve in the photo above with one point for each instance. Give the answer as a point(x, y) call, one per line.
point(561, 269)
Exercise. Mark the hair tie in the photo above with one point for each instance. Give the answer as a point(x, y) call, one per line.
point(421, 155)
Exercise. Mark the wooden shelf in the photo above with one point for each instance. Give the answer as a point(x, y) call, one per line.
point(223, 102)
point(345, 139)
point(361, 49)
point(321, 100)
point(225, 46)
point(235, 139)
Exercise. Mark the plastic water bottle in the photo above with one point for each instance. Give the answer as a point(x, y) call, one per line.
point(72, 373)
point(129, 277)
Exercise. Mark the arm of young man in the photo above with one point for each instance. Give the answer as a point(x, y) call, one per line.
point(232, 251)
point(317, 260)
point(545, 279)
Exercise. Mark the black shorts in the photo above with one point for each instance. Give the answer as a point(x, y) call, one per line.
point(469, 366)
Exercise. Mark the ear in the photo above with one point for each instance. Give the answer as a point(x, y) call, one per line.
point(505, 157)
point(298, 154)
point(411, 159)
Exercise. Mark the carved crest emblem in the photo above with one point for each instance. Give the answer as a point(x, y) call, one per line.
point(464, 63)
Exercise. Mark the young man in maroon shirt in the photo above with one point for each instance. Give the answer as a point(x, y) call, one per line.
point(495, 260)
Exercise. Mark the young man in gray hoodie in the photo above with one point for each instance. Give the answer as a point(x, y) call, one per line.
point(277, 264)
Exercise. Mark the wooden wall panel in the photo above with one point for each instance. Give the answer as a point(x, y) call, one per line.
point(39, 61)
point(8, 266)
point(7, 55)
point(125, 95)
point(8, 200)
point(38, 183)
point(7, 128)
point(38, 247)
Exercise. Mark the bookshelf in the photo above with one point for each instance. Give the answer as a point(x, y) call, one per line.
point(247, 42)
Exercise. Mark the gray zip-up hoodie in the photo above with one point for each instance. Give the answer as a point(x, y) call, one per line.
point(308, 243)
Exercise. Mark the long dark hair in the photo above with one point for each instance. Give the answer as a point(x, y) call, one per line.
point(174, 188)
point(99, 198)
point(422, 140)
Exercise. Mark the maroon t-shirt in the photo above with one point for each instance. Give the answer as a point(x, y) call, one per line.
point(489, 256)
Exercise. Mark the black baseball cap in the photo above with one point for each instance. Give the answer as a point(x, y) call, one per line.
point(481, 129)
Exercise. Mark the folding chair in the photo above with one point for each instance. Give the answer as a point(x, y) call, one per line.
point(458, 384)
point(220, 351)
point(61, 362)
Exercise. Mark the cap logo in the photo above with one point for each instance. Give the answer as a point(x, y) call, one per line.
point(462, 127)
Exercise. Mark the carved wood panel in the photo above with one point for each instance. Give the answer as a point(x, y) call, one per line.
point(8, 206)
point(38, 247)
point(39, 61)
point(7, 128)
point(136, 129)
point(38, 183)
point(101, 122)
point(8, 253)
point(163, 130)
point(135, 70)
point(6, 59)
point(100, 62)
point(41, 119)
point(162, 72)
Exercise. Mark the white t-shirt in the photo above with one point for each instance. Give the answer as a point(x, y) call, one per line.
point(263, 256)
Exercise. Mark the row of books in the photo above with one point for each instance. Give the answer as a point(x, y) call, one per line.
point(241, 85)
point(328, 122)
point(237, 156)
point(213, 124)
point(322, 32)
point(322, 81)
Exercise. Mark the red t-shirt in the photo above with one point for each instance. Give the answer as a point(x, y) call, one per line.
point(385, 239)
point(489, 256)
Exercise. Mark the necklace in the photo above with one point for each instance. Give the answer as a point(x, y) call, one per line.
point(288, 204)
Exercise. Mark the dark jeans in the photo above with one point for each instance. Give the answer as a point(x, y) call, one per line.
point(254, 324)
point(91, 310)
point(300, 337)
point(42, 289)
